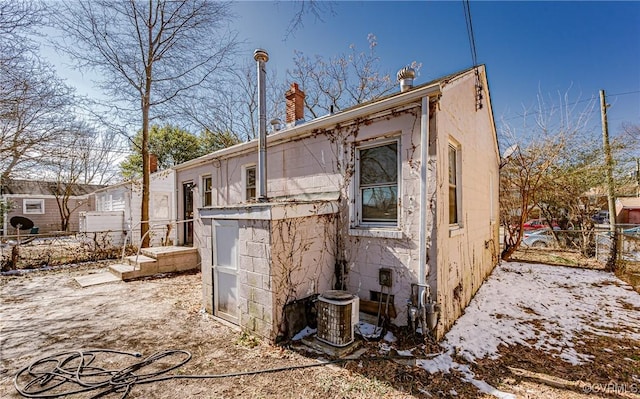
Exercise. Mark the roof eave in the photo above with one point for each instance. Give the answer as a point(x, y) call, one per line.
point(350, 114)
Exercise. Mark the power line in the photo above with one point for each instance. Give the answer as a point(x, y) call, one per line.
point(474, 52)
point(472, 40)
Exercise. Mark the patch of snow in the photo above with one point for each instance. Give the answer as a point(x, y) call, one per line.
point(389, 337)
point(544, 307)
point(453, 392)
point(441, 363)
point(384, 348)
point(304, 333)
point(607, 350)
point(368, 331)
point(445, 363)
point(538, 306)
point(407, 353)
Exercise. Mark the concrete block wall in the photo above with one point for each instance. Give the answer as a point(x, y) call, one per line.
point(206, 260)
point(255, 296)
point(302, 261)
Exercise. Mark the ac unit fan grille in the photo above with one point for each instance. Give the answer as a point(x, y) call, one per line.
point(334, 322)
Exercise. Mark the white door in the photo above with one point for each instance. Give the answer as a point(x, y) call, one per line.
point(225, 269)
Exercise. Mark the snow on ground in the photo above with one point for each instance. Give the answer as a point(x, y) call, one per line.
point(545, 307)
point(539, 306)
point(307, 331)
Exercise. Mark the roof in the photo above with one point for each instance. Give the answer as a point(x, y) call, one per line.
point(629, 202)
point(431, 88)
point(39, 187)
point(138, 181)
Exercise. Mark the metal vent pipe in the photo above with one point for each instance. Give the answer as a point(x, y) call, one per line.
point(261, 58)
point(405, 77)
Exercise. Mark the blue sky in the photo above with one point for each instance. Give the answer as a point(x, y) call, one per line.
point(528, 47)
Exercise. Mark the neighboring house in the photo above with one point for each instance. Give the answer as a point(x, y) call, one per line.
point(36, 200)
point(628, 210)
point(118, 209)
point(355, 200)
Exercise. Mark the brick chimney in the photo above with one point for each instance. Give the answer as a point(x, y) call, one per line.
point(295, 104)
point(153, 163)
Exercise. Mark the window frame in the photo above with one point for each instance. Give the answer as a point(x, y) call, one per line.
point(457, 186)
point(245, 188)
point(359, 222)
point(30, 201)
point(204, 179)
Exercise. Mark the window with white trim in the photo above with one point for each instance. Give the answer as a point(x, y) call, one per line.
point(250, 183)
point(377, 172)
point(33, 206)
point(454, 184)
point(207, 190)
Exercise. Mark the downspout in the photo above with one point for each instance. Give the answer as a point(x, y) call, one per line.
point(429, 307)
point(424, 154)
point(261, 58)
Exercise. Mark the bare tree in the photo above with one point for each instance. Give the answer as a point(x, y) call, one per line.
point(302, 8)
point(149, 54)
point(37, 109)
point(545, 148)
point(18, 20)
point(341, 81)
point(232, 108)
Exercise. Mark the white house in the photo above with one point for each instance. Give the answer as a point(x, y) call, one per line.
point(395, 198)
point(117, 212)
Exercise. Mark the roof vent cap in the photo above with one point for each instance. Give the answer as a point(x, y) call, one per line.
point(405, 77)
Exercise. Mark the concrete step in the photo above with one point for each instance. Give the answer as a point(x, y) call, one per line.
point(173, 259)
point(96, 279)
point(168, 251)
point(139, 259)
point(157, 260)
point(125, 272)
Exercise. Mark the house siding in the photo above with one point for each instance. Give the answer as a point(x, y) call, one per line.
point(127, 198)
point(321, 164)
point(466, 256)
point(49, 221)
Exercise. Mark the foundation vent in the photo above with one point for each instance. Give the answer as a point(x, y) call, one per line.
point(338, 313)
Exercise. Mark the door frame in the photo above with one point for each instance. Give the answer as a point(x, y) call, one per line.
point(187, 212)
point(228, 270)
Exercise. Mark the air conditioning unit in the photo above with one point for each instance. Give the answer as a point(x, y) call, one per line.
point(338, 313)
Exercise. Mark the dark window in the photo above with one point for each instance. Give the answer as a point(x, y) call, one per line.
point(378, 183)
point(453, 184)
point(206, 196)
point(250, 183)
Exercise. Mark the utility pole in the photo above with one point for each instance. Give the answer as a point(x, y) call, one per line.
point(638, 177)
point(608, 159)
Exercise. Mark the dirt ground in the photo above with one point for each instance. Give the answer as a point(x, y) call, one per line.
point(44, 313)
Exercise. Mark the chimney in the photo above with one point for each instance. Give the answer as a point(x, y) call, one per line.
point(405, 77)
point(261, 58)
point(295, 104)
point(153, 163)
